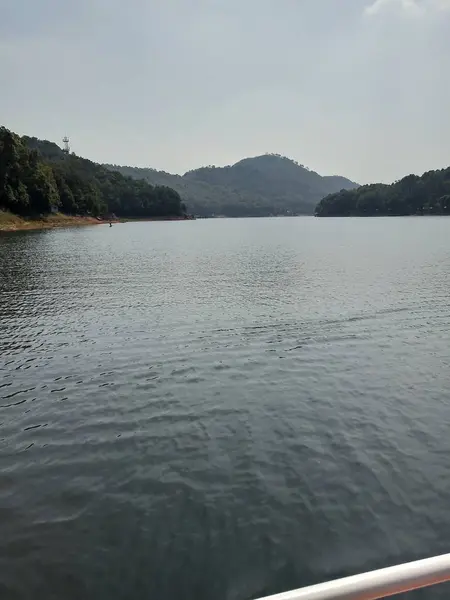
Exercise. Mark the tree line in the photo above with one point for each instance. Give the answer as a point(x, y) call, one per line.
point(412, 195)
point(37, 177)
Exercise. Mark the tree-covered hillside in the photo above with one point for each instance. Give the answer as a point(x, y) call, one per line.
point(37, 177)
point(265, 185)
point(412, 195)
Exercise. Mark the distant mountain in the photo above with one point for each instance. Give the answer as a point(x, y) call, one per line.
point(412, 195)
point(264, 185)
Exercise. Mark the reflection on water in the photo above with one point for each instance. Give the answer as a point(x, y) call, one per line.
point(222, 409)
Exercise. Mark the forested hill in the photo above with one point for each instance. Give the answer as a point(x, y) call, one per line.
point(37, 177)
point(264, 185)
point(412, 195)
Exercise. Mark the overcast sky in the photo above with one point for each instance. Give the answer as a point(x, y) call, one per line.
point(358, 88)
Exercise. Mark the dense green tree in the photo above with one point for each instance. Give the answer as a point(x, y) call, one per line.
point(37, 177)
point(40, 182)
point(14, 194)
point(412, 195)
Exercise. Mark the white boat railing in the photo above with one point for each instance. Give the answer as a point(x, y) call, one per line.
point(377, 584)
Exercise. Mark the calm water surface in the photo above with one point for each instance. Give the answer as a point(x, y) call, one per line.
point(218, 410)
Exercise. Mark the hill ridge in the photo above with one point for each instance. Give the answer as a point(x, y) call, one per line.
point(38, 178)
point(263, 185)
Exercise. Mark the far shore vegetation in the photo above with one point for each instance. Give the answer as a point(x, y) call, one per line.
point(38, 180)
point(43, 186)
point(412, 195)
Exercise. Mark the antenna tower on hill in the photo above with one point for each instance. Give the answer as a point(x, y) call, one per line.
point(66, 148)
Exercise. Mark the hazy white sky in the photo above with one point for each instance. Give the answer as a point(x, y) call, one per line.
point(359, 88)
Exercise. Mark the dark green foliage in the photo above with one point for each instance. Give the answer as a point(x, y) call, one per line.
point(37, 177)
point(412, 195)
point(260, 186)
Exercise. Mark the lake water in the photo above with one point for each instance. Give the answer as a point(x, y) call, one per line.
point(222, 409)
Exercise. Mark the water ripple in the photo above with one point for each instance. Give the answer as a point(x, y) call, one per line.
point(224, 408)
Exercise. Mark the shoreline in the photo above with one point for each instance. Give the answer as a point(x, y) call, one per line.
point(10, 222)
